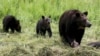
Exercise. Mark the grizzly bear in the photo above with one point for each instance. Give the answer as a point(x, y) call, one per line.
point(72, 25)
point(10, 22)
point(43, 25)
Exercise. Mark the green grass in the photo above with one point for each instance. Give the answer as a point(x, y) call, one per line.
point(29, 11)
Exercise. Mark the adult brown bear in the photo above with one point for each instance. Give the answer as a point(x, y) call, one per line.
point(72, 26)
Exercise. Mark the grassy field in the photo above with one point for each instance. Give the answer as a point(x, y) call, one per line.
point(29, 11)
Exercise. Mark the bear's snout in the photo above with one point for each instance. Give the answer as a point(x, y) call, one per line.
point(88, 24)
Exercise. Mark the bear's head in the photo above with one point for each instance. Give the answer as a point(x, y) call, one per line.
point(81, 20)
point(18, 27)
point(46, 21)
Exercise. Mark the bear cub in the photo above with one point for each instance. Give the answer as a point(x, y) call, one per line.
point(43, 25)
point(10, 22)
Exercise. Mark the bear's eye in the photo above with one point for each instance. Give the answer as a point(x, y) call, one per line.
point(82, 15)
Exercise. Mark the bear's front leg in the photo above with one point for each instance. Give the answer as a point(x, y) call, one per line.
point(49, 32)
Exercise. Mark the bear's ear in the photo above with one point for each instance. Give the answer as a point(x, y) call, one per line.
point(77, 14)
point(43, 17)
point(49, 16)
point(18, 21)
point(85, 13)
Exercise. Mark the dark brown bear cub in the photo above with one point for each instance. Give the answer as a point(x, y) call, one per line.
point(10, 22)
point(72, 26)
point(43, 25)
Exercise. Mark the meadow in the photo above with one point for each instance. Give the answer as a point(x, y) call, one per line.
point(30, 11)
